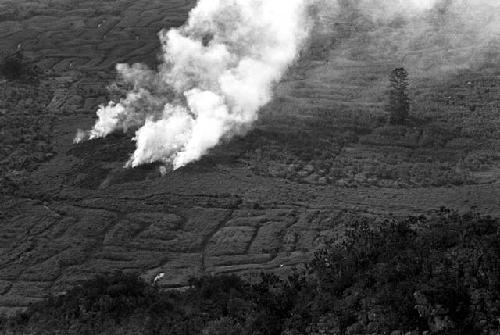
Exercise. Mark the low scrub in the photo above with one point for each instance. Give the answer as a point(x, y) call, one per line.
point(16, 67)
point(12, 67)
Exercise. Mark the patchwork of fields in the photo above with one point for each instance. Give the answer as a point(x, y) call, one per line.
point(321, 155)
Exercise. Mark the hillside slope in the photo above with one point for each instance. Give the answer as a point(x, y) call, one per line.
point(321, 155)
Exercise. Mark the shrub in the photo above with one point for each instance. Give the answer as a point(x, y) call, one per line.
point(399, 103)
point(223, 326)
point(12, 66)
point(16, 67)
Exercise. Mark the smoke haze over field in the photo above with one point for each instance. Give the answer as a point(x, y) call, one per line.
point(429, 37)
point(218, 69)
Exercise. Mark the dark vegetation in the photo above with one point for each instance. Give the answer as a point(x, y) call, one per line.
point(11, 66)
point(435, 275)
point(399, 102)
point(15, 66)
point(25, 126)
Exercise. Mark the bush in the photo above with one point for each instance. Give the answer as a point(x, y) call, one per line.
point(223, 326)
point(399, 103)
point(12, 66)
point(16, 67)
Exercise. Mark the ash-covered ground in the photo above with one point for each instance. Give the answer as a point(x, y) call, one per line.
point(321, 154)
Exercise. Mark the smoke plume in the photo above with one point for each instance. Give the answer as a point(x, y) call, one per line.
point(218, 70)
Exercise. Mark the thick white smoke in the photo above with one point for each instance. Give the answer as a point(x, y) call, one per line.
point(219, 68)
point(218, 71)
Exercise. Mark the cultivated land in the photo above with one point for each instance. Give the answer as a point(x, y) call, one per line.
point(321, 155)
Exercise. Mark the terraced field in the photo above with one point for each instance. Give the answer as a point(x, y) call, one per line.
point(62, 35)
point(322, 154)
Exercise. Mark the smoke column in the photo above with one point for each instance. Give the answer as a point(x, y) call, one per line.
point(218, 71)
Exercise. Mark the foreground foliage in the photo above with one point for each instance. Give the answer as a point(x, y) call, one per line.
point(438, 275)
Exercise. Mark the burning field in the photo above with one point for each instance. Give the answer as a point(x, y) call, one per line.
point(215, 137)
